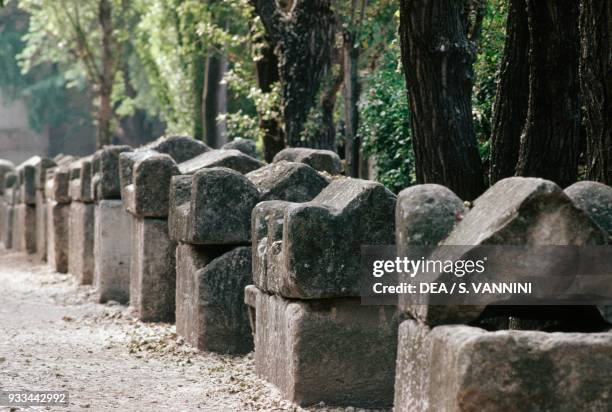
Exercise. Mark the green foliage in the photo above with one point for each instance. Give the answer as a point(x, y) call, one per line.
point(161, 44)
point(11, 80)
point(165, 53)
point(486, 69)
point(171, 35)
point(62, 33)
point(42, 88)
point(265, 106)
point(385, 123)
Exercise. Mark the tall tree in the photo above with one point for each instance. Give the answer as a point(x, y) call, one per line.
point(304, 32)
point(550, 139)
point(106, 76)
point(437, 57)
point(209, 109)
point(512, 95)
point(350, 53)
point(199, 75)
point(213, 99)
point(596, 85)
point(88, 35)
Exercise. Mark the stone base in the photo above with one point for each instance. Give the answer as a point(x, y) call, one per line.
point(24, 231)
point(462, 368)
point(7, 226)
point(41, 226)
point(15, 228)
point(152, 279)
point(331, 350)
point(210, 310)
point(81, 237)
point(58, 221)
point(3, 207)
point(112, 251)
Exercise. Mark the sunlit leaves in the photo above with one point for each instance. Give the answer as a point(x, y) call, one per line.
point(385, 122)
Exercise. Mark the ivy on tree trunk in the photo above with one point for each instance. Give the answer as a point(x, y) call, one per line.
point(304, 37)
point(267, 75)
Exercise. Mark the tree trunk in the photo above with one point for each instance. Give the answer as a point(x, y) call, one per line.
point(222, 96)
point(351, 98)
point(304, 37)
point(325, 137)
point(596, 85)
point(107, 76)
point(213, 77)
point(512, 96)
point(437, 59)
point(198, 77)
point(267, 75)
point(550, 139)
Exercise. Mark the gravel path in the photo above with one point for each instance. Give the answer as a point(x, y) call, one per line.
point(53, 336)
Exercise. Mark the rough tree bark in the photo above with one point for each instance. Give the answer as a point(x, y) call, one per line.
point(304, 36)
point(437, 58)
point(351, 98)
point(107, 75)
point(512, 95)
point(267, 75)
point(352, 89)
point(596, 85)
point(325, 134)
point(550, 139)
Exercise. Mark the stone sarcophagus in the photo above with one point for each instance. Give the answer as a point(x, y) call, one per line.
point(305, 305)
point(210, 217)
point(321, 160)
point(146, 195)
point(348, 214)
point(178, 148)
point(464, 368)
point(7, 180)
point(41, 205)
point(214, 206)
point(28, 221)
point(81, 225)
point(515, 211)
point(112, 226)
point(57, 194)
point(246, 146)
point(13, 194)
point(509, 357)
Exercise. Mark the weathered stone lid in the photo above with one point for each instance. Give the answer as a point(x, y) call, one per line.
point(321, 160)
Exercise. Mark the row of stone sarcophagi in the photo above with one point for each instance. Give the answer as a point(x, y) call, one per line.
point(286, 240)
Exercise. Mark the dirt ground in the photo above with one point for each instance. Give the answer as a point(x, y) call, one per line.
point(53, 336)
